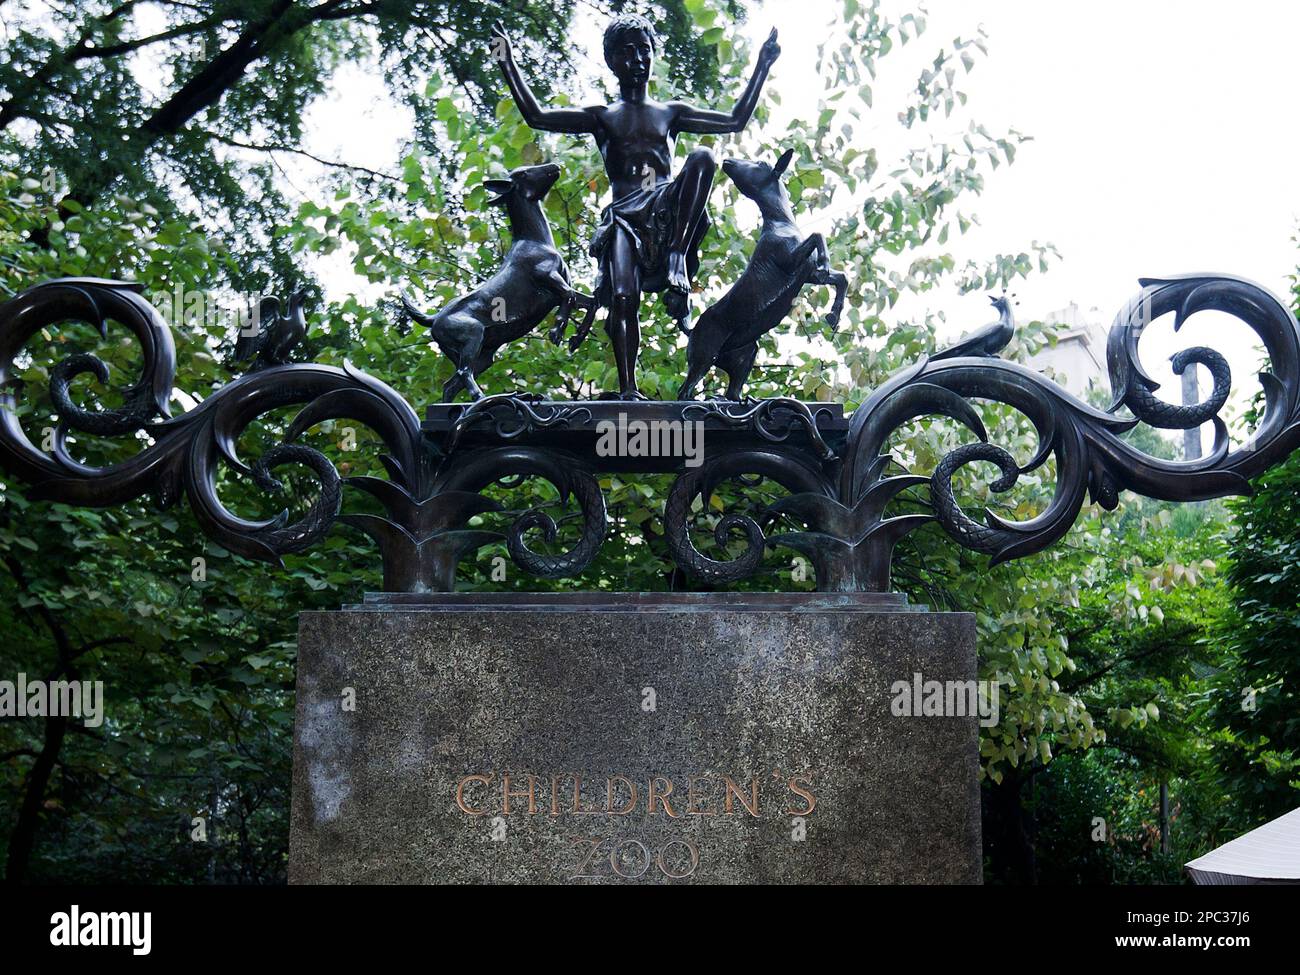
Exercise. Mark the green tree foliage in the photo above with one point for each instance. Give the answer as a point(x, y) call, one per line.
point(426, 231)
point(1144, 662)
point(199, 672)
point(1257, 700)
point(196, 658)
point(188, 106)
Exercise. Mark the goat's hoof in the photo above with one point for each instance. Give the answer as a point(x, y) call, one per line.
point(677, 302)
point(679, 280)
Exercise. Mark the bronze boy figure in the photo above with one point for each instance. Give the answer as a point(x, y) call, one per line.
point(649, 236)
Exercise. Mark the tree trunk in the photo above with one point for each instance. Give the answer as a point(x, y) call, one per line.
point(23, 838)
point(1008, 845)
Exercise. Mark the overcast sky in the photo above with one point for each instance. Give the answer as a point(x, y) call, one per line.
point(1164, 141)
point(1162, 144)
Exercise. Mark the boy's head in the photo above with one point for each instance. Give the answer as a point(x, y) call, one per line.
point(630, 45)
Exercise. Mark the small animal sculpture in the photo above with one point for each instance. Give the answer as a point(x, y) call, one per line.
point(783, 261)
point(273, 337)
point(987, 341)
point(531, 283)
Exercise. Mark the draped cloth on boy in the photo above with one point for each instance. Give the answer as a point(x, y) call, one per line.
point(649, 219)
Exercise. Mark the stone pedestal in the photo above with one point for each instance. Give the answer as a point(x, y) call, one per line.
point(625, 738)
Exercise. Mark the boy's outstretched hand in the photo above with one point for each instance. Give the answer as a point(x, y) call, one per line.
point(501, 49)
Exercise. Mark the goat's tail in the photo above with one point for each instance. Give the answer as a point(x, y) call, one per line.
point(415, 314)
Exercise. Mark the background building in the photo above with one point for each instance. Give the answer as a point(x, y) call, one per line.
point(1079, 357)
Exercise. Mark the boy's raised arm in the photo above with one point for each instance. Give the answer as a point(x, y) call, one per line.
point(571, 120)
point(704, 120)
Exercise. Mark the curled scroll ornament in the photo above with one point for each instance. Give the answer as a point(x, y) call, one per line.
point(850, 539)
point(429, 498)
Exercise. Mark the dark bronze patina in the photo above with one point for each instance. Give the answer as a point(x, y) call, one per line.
point(783, 261)
point(837, 474)
point(649, 237)
point(532, 283)
point(836, 471)
point(273, 337)
point(986, 341)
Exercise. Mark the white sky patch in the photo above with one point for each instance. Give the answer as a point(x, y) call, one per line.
point(1160, 145)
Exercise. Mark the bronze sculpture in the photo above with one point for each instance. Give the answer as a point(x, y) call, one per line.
point(834, 470)
point(649, 237)
point(988, 340)
point(532, 283)
point(437, 470)
point(727, 333)
point(274, 337)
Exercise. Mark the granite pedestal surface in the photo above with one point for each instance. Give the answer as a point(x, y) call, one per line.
point(631, 738)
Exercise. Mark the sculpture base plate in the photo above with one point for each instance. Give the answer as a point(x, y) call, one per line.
point(631, 738)
point(577, 426)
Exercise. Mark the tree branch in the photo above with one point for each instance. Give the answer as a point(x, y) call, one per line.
point(84, 52)
point(279, 147)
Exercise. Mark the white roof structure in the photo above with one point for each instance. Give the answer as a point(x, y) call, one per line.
point(1268, 855)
